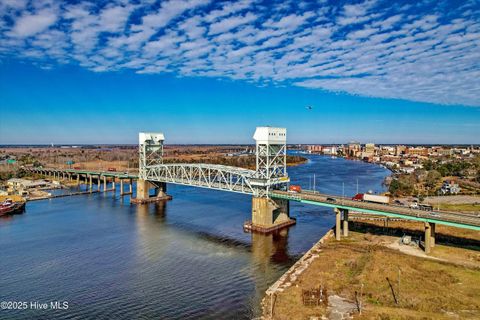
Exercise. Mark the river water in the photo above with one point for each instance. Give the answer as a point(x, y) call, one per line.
point(185, 259)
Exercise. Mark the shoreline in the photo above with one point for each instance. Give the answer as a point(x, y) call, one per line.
point(268, 301)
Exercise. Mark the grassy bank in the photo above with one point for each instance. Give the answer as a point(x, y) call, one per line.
point(365, 268)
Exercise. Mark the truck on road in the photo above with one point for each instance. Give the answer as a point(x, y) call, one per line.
point(294, 188)
point(371, 198)
point(421, 206)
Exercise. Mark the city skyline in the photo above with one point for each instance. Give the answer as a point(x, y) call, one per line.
point(210, 72)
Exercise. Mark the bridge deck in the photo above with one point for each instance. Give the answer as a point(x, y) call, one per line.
point(468, 221)
point(239, 180)
point(117, 174)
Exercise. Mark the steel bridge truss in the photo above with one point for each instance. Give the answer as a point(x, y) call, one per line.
point(210, 176)
point(271, 161)
point(270, 173)
point(271, 168)
point(150, 151)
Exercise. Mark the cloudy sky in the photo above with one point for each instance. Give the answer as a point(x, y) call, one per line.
point(186, 62)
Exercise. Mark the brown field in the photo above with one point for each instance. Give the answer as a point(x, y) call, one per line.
point(445, 285)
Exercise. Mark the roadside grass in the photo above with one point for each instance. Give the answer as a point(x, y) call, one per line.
point(465, 207)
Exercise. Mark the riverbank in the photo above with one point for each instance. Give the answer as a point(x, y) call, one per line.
point(363, 272)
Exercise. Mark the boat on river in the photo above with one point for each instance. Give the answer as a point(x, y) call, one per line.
point(10, 206)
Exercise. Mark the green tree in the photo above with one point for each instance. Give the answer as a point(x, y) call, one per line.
point(403, 185)
point(428, 165)
point(433, 176)
point(394, 186)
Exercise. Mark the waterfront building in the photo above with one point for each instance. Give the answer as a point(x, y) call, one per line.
point(315, 148)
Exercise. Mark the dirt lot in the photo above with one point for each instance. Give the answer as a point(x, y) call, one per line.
point(386, 280)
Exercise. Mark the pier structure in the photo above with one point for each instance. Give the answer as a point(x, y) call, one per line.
point(93, 180)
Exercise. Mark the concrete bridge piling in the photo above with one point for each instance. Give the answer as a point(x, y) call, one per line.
point(269, 214)
point(341, 218)
point(429, 239)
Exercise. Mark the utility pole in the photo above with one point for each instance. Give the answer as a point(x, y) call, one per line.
point(357, 185)
point(343, 191)
point(314, 183)
point(398, 293)
point(361, 294)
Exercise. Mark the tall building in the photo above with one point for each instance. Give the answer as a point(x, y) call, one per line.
point(399, 150)
point(354, 149)
point(370, 148)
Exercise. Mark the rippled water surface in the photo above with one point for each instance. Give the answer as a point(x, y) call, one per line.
point(185, 259)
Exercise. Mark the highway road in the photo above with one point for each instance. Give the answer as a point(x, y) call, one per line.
point(385, 209)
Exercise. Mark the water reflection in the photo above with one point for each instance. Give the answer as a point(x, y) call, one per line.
point(270, 248)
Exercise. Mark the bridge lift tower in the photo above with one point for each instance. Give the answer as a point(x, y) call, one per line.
point(271, 173)
point(150, 153)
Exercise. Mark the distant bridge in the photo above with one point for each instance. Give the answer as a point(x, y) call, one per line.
point(267, 184)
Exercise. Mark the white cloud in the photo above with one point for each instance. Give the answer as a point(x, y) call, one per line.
point(30, 24)
point(371, 48)
point(113, 19)
point(231, 23)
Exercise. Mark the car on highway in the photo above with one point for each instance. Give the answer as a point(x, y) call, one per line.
point(398, 203)
point(331, 200)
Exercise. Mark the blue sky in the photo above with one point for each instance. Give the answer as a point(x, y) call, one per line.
point(210, 71)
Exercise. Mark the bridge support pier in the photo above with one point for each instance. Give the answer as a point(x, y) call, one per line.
point(341, 215)
point(337, 224)
point(104, 184)
point(428, 238)
point(269, 215)
point(143, 192)
point(345, 223)
point(432, 235)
